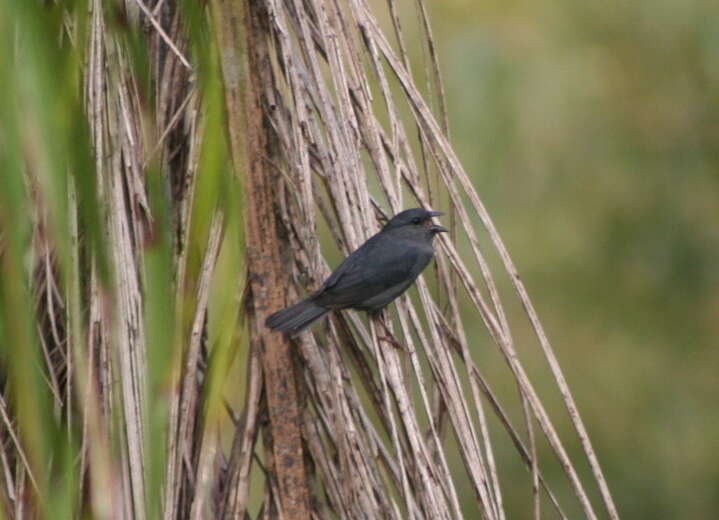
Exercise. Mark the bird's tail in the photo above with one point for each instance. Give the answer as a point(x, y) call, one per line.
point(296, 318)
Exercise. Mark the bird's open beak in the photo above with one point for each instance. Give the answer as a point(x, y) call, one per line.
point(431, 226)
point(438, 229)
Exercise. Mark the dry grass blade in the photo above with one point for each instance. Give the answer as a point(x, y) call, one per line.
point(325, 122)
point(7, 421)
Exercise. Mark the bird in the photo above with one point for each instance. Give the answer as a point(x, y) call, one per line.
point(371, 277)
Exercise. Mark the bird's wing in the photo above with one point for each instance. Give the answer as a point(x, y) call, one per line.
point(381, 263)
point(350, 264)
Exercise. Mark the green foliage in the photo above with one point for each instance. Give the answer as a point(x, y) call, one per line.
point(54, 224)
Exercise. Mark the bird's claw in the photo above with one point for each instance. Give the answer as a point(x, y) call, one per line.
point(391, 341)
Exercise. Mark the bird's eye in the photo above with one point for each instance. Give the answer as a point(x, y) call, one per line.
point(416, 220)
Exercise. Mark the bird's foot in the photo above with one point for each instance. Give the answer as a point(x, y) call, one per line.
point(388, 336)
point(391, 341)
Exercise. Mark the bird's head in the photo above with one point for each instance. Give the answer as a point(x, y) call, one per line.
point(415, 222)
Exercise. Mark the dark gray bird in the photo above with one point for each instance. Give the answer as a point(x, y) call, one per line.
point(371, 277)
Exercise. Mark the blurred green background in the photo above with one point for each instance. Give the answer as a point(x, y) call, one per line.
point(591, 131)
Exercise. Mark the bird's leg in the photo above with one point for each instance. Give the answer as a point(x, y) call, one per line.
point(388, 337)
